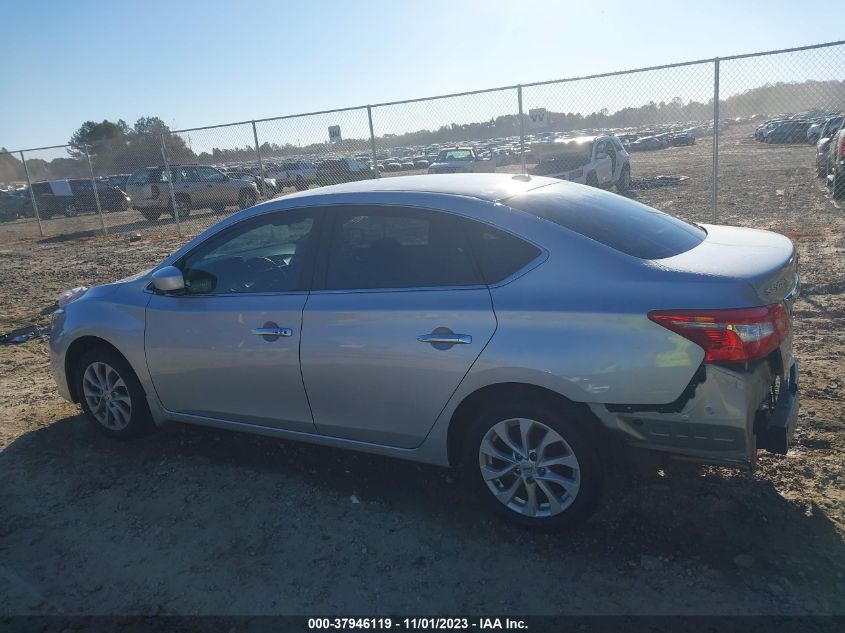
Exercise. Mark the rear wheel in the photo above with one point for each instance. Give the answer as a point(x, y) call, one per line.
point(533, 463)
point(71, 211)
point(151, 215)
point(592, 181)
point(111, 395)
point(300, 183)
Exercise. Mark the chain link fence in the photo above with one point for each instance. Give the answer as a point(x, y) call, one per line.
point(685, 138)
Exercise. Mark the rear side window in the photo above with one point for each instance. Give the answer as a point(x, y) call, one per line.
point(498, 254)
point(625, 225)
point(393, 247)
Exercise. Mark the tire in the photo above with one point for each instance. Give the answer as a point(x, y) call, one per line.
point(838, 189)
point(575, 486)
point(623, 185)
point(125, 413)
point(71, 211)
point(183, 203)
point(151, 215)
point(592, 181)
point(246, 199)
point(218, 208)
point(300, 184)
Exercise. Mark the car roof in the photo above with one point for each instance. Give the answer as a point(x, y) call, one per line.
point(489, 187)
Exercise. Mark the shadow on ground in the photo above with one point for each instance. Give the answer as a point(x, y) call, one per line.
point(174, 522)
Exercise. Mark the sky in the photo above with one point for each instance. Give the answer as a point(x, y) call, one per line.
point(196, 63)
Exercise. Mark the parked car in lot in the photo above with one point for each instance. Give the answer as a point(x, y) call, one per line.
point(788, 132)
point(599, 161)
point(647, 143)
point(74, 196)
point(118, 180)
point(297, 174)
point(441, 319)
point(267, 187)
point(837, 163)
point(460, 160)
point(338, 170)
point(194, 186)
point(14, 205)
point(823, 153)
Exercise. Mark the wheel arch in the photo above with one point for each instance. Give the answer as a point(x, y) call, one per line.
point(472, 404)
point(75, 351)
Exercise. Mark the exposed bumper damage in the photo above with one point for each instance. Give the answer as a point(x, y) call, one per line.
point(723, 418)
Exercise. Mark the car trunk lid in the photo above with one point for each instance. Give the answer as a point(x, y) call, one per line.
point(765, 260)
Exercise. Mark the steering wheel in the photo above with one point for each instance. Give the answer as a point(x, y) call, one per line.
point(264, 270)
point(260, 264)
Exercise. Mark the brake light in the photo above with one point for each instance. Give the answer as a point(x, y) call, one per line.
point(740, 335)
point(842, 146)
point(154, 192)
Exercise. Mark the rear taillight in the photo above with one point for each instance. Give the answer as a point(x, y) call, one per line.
point(731, 336)
point(154, 192)
point(842, 147)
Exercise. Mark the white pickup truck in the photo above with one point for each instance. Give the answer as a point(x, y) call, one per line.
point(460, 160)
point(299, 174)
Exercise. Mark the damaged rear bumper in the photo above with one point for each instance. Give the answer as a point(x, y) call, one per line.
point(726, 417)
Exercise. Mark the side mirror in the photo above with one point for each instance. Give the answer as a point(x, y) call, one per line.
point(168, 279)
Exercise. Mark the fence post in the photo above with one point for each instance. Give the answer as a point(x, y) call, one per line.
point(94, 185)
point(715, 188)
point(260, 164)
point(373, 142)
point(521, 128)
point(172, 190)
point(32, 196)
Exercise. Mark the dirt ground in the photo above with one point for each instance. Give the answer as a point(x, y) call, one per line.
point(199, 521)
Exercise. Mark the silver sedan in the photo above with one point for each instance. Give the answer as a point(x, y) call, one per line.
point(515, 326)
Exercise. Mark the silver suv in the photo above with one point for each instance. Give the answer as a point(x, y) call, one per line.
point(194, 187)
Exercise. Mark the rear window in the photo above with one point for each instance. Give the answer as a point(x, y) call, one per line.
point(625, 225)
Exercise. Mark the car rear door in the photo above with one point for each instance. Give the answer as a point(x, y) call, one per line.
point(228, 347)
point(398, 316)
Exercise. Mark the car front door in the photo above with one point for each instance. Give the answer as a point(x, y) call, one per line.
point(398, 316)
point(190, 183)
point(228, 346)
point(220, 190)
point(603, 162)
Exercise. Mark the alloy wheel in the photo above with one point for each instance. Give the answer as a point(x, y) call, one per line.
point(107, 396)
point(529, 467)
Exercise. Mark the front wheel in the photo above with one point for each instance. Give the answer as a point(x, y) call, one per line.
point(71, 211)
point(534, 464)
point(151, 215)
point(111, 395)
point(623, 185)
point(246, 199)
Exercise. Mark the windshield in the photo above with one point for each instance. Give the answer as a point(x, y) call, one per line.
point(623, 224)
point(454, 154)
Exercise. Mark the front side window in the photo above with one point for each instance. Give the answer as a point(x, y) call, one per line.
point(190, 174)
point(393, 247)
point(265, 255)
point(209, 174)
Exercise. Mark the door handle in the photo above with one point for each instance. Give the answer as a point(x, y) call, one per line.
point(445, 339)
point(272, 331)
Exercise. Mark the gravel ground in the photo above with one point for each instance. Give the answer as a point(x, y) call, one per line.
point(199, 521)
